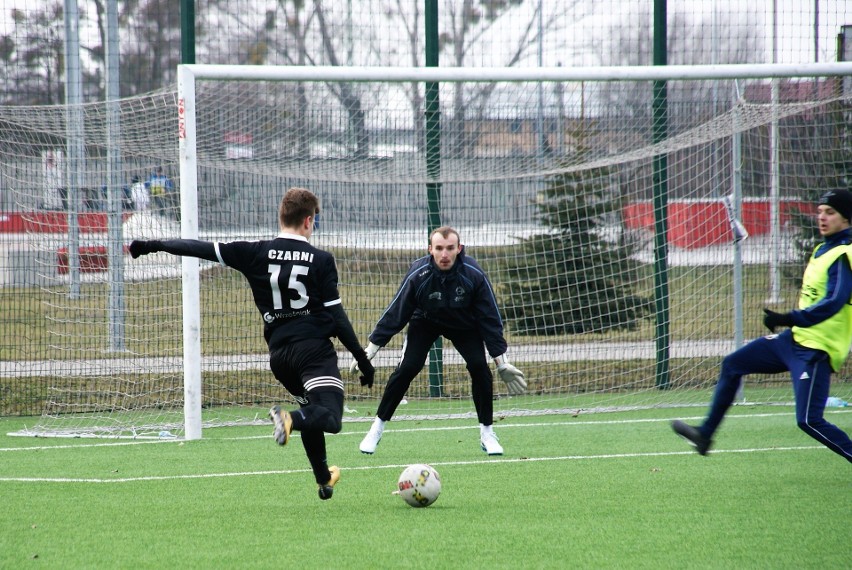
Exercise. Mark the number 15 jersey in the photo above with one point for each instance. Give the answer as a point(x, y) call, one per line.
point(292, 282)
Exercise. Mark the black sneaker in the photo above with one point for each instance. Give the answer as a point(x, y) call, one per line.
point(693, 436)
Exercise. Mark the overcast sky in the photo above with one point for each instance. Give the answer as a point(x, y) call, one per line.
point(795, 25)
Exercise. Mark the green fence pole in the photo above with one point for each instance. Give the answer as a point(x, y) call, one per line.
point(660, 130)
point(187, 31)
point(433, 172)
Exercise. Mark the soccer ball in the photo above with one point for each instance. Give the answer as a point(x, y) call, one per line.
point(419, 485)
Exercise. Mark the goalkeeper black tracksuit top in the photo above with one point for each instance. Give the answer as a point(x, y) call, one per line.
point(460, 298)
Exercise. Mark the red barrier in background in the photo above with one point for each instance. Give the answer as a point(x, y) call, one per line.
point(52, 222)
point(701, 223)
point(93, 259)
point(691, 223)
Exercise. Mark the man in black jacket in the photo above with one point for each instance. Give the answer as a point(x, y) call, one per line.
point(445, 294)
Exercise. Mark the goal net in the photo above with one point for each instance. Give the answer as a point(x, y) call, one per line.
point(605, 204)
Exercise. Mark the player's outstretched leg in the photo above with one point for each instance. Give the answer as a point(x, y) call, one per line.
point(373, 437)
point(327, 490)
point(693, 436)
point(283, 425)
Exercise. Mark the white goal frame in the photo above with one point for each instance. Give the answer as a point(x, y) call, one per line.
point(188, 74)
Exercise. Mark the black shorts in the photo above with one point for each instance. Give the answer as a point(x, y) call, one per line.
point(306, 366)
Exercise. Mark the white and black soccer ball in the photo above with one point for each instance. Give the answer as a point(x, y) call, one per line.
point(419, 485)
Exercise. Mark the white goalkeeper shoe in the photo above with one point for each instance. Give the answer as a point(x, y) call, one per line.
point(373, 437)
point(489, 442)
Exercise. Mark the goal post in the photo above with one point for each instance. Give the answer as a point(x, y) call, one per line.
point(547, 173)
point(192, 386)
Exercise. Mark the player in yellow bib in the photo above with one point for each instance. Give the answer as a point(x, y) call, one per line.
point(816, 343)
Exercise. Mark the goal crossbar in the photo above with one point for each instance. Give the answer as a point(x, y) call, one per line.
point(510, 74)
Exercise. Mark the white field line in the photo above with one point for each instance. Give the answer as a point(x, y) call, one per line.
point(401, 466)
point(392, 429)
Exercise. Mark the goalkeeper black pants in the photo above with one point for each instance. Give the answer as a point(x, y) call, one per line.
point(419, 339)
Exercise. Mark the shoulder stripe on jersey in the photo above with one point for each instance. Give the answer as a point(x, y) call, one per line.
point(323, 382)
point(425, 283)
point(332, 303)
point(219, 254)
point(411, 273)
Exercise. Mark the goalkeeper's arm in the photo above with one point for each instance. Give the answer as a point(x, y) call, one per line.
point(509, 374)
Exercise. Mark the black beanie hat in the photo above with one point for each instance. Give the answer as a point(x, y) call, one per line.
point(840, 200)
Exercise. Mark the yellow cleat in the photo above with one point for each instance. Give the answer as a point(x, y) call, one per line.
point(283, 425)
point(327, 490)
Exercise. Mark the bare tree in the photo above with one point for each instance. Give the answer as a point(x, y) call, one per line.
point(150, 45)
point(689, 43)
point(410, 21)
point(296, 32)
point(345, 92)
point(465, 26)
point(282, 35)
point(32, 58)
point(468, 23)
point(624, 109)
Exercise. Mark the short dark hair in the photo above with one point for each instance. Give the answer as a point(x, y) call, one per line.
point(296, 205)
point(445, 232)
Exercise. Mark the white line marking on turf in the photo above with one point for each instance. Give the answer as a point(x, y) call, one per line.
point(499, 425)
point(396, 466)
point(83, 445)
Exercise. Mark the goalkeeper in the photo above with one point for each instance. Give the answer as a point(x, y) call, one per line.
point(445, 294)
point(294, 286)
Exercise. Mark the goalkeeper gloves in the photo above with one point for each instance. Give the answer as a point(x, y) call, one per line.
point(509, 374)
point(772, 319)
point(142, 247)
point(361, 364)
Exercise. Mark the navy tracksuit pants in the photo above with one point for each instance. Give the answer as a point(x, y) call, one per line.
point(810, 372)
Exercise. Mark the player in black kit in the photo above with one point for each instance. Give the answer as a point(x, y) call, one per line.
point(294, 286)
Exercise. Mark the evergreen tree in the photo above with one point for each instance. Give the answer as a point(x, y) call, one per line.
point(577, 277)
point(820, 152)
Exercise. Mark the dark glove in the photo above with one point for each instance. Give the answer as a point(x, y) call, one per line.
point(368, 372)
point(142, 247)
point(772, 320)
